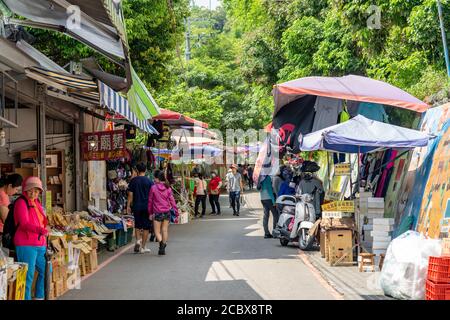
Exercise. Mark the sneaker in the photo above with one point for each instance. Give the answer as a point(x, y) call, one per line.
point(212, 214)
point(268, 236)
point(145, 250)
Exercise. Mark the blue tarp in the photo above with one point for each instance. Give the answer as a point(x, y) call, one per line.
point(363, 135)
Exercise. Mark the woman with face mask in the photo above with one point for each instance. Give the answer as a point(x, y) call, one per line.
point(214, 191)
point(30, 238)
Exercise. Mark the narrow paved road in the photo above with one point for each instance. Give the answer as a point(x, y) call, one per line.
point(213, 258)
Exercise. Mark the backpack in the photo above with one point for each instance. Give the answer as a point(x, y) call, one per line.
point(9, 228)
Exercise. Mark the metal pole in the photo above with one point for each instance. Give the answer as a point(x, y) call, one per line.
point(188, 38)
point(444, 37)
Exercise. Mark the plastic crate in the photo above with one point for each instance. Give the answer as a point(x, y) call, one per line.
point(439, 269)
point(435, 291)
point(111, 244)
point(130, 232)
point(121, 237)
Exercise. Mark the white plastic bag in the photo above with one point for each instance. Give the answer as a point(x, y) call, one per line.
point(405, 266)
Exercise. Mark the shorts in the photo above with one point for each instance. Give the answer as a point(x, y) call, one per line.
point(142, 220)
point(164, 216)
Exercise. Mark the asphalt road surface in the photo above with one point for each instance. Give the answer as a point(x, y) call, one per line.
point(223, 258)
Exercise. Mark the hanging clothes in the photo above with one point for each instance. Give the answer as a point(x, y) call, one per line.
point(353, 108)
point(373, 111)
point(327, 113)
point(387, 172)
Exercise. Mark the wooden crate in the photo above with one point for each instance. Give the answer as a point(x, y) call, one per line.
point(446, 247)
point(340, 243)
point(322, 244)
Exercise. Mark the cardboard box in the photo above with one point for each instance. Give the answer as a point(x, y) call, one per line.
point(384, 222)
point(376, 203)
point(59, 288)
point(381, 233)
point(446, 247)
point(383, 228)
point(340, 244)
point(382, 239)
point(3, 284)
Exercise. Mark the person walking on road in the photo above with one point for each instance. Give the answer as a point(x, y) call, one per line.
point(138, 191)
point(236, 187)
point(250, 177)
point(268, 202)
point(214, 192)
point(277, 181)
point(227, 180)
point(30, 238)
point(200, 195)
point(160, 203)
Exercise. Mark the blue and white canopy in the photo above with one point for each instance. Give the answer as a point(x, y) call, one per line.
point(118, 104)
point(363, 135)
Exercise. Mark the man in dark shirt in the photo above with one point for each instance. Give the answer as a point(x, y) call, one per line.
point(138, 191)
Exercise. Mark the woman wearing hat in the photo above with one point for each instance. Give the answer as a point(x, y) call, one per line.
point(30, 238)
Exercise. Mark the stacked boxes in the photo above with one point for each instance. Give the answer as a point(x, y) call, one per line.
point(375, 210)
point(382, 235)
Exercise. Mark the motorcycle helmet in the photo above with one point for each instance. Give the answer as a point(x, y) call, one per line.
point(310, 167)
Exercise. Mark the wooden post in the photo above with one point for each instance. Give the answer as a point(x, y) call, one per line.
point(41, 140)
point(77, 161)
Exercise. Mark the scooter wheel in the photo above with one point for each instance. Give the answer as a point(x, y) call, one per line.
point(284, 242)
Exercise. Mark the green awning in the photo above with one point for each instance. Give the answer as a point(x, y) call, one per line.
point(140, 99)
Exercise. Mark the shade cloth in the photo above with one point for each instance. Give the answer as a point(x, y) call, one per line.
point(140, 100)
point(363, 135)
point(50, 15)
point(351, 87)
point(176, 118)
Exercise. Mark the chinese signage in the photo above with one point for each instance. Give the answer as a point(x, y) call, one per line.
point(342, 169)
point(106, 145)
point(343, 206)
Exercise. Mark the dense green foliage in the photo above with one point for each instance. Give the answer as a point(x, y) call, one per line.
point(240, 51)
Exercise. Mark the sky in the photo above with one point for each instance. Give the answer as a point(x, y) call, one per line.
point(205, 3)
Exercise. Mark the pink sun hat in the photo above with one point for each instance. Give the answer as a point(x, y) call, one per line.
point(32, 182)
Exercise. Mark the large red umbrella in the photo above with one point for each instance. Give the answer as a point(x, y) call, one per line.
point(354, 88)
point(176, 118)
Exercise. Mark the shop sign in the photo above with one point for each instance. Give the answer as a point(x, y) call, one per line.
point(343, 206)
point(342, 169)
point(105, 145)
point(336, 214)
point(333, 195)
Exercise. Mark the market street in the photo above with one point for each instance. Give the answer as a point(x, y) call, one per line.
point(214, 258)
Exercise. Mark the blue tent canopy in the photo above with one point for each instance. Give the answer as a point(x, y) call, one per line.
point(363, 135)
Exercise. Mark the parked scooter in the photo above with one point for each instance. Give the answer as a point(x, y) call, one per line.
point(297, 218)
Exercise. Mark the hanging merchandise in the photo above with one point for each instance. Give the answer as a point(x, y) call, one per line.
point(119, 175)
point(327, 113)
point(373, 111)
point(130, 132)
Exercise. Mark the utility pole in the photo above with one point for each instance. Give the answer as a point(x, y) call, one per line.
point(187, 22)
point(444, 37)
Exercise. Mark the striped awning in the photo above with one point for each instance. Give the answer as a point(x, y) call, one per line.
point(66, 84)
point(118, 104)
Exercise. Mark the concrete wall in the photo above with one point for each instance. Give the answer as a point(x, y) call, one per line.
point(26, 131)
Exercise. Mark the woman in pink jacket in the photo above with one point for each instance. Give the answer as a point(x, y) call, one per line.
point(30, 238)
point(160, 203)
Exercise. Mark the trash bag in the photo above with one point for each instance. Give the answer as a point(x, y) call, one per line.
point(405, 266)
